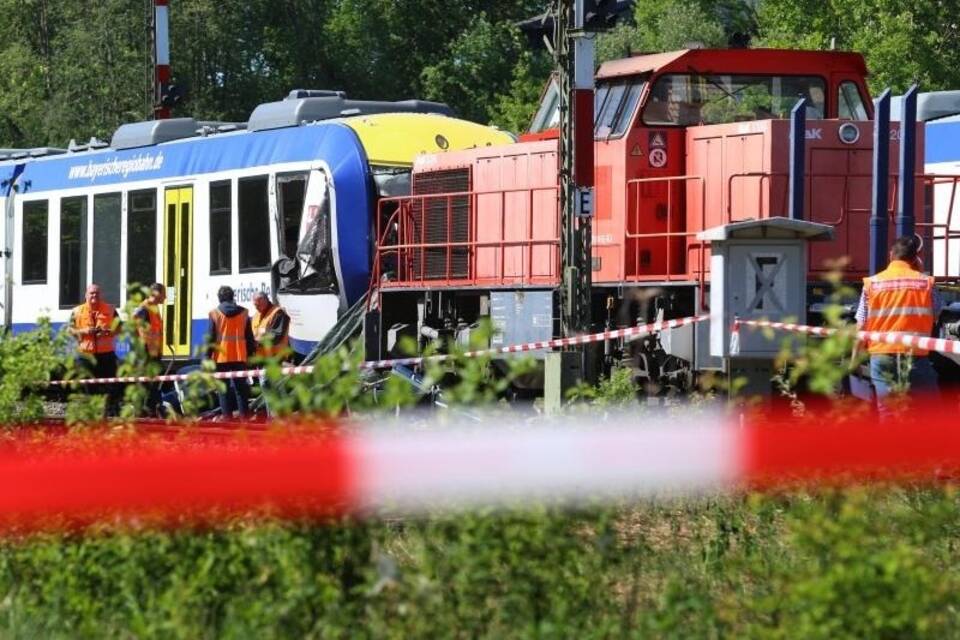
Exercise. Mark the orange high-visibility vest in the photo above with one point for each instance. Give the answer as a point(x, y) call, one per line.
point(231, 336)
point(259, 325)
point(100, 316)
point(900, 300)
point(152, 332)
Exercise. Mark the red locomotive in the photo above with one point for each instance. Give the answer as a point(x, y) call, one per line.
point(684, 141)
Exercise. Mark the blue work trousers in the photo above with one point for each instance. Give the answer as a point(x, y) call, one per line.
point(900, 373)
point(237, 392)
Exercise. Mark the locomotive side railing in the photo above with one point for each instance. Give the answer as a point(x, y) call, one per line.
point(849, 215)
point(407, 257)
point(635, 197)
point(774, 200)
point(845, 207)
point(633, 215)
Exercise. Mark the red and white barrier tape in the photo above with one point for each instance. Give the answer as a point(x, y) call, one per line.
point(419, 470)
point(613, 334)
point(939, 345)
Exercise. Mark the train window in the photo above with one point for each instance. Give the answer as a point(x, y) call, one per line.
point(34, 250)
point(291, 190)
point(142, 237)
point(73, 250)
point(614, 105)
point(106, 245)
point(608, 111)
point(253, 224)
point(598, 97)
point(548, 113)
point(849, 103)
point(692, 99)
point(221, 218)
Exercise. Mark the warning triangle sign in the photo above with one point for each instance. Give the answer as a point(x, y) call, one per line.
point(636, 151)
point(657, 140)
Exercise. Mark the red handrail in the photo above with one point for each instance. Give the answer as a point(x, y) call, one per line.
point(413, 241)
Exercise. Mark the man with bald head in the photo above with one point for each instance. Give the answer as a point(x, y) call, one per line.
point(94, 324)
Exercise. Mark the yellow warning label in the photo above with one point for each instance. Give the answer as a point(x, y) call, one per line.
point(636, 151)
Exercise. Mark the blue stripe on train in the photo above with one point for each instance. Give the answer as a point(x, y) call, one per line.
point(333, 143)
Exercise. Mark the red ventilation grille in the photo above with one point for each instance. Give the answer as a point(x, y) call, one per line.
point(441, 221)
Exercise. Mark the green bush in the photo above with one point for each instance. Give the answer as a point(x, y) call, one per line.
point(850, 563)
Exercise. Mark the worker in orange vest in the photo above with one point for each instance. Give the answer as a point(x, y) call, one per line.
point(231, 343)
point(271, 327)
point(94, 324)
point(150, 329)
point(900, 299)
point(150, 322)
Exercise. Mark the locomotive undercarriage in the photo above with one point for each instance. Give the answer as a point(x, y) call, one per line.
point(660, 364)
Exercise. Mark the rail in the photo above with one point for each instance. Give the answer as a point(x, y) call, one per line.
point(406, 235)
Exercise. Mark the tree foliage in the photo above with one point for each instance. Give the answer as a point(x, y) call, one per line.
point(75, 70)
point(903, 42)
point(72, 70)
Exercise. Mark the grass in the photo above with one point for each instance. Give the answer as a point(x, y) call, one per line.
point(852, 563)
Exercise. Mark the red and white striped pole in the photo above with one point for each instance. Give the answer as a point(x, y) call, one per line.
point(161, 56)
point(583, 55)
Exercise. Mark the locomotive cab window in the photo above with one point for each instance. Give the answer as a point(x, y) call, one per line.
point(291, 192)
point(548, 114)
point(614, 104)
point(694, 99)
point(253, 208)
point(34, 249)
point(849, 103)
point(73, 250)
point(221, 219)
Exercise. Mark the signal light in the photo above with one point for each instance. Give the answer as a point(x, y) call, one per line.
point(599, 15)
point(171, 95)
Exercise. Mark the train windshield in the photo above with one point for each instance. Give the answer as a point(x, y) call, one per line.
point(314, 246)
point(693, 99)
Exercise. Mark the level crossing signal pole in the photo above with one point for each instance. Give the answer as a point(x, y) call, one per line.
point(573, 22)
point(160, 33)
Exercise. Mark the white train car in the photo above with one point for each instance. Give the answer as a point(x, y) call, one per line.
point(942, 164)
point(938, 111)
point(196, 207)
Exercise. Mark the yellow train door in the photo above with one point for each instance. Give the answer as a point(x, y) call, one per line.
point(178, 268)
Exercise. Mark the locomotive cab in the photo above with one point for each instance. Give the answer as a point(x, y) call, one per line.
point(646, 173)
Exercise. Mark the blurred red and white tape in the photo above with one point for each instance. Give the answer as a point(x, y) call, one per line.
point(318, 470)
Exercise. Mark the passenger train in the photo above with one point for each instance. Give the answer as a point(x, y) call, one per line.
point(283, 202)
